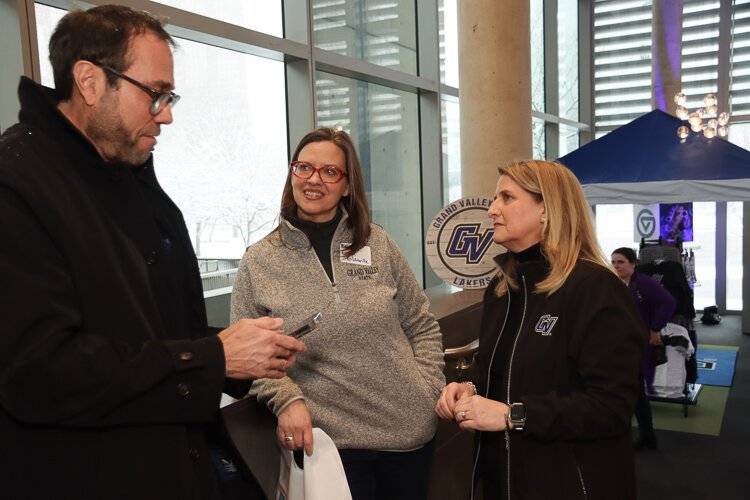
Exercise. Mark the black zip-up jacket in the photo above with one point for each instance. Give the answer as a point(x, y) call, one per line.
point(572, 359)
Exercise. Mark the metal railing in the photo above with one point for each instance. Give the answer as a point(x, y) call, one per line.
point(212, 265)
point(218, 279)
point(463, 356)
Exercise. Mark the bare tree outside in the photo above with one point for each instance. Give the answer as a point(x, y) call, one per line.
point(224, 159)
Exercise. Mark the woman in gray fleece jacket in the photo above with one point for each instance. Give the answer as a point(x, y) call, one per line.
point(373, 369)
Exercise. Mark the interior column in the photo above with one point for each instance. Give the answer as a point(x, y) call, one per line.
point(495, 89)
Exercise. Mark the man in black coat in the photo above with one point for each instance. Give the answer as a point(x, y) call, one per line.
point(110, 378)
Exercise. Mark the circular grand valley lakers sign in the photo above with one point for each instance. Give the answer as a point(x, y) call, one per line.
point(459, 243)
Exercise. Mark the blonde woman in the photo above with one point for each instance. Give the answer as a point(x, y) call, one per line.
point(560, 347)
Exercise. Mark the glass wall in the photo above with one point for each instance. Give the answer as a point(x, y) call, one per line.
point(740, 77)
point(700, 50)
point(451, 149)
point(537, 55)
point(734, 255)
point(448, 31)
point(614, 227)
point(384, 124)
point(449, 102)
point(567, 62)
point(224, 159)
point(556, 34)
point(622, 62)
point(569, 139)
point(704, 245)
point(739, 134)
point(46, 19)
point(377, 31)
point(258, 15)
point(538, 139)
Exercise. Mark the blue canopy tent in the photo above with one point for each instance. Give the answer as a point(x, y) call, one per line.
point(645, 162)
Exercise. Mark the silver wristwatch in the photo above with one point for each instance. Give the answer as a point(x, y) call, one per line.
point(517, 416)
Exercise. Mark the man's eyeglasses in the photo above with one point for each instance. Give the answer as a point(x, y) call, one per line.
point(160, 99)
point(328, 174)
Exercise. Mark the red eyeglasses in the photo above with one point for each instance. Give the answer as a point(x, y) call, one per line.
point(329, 174)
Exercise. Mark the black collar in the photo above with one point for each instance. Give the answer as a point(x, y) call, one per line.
point(39, 109)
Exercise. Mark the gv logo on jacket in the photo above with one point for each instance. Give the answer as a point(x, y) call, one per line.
point(545, 325)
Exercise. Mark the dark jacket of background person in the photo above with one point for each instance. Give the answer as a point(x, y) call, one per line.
point(654, 303)
point(573, 358)
point(106, 381)
point(671, 276)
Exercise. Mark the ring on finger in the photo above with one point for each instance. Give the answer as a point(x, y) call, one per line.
point(288, 438)
point(463, 415)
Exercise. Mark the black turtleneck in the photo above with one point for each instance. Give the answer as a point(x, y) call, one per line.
point(320, 235)
point(531, 254)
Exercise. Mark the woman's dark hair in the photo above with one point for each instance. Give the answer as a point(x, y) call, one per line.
point(101, 35)
point(355, 204)
point(628, 253)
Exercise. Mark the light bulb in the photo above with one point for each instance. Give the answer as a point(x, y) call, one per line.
point(712, 109)
point(713, 123)
point(709, 100)
point(683, 132)
point(701, 112)
point(695, 120)
point(723, 118)
point(681, 112)
point(680, 98)
point(709, 133)
point(723, 131)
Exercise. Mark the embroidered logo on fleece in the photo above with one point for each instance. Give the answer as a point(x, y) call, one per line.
point(545, 325)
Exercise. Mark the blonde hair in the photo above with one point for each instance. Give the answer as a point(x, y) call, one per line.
point(568, 231)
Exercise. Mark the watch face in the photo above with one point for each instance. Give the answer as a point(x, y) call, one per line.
point(517, 412)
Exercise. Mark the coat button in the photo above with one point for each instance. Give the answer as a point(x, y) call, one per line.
point(186, 356)
point(194, 454)
point(152, 258)
point(183, 389)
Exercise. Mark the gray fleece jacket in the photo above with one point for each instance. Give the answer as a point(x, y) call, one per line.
point(373, 369)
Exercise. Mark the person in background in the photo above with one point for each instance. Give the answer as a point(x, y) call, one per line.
point(656, 306)
point(110, 378)
point(373, 369)
point(559, 348)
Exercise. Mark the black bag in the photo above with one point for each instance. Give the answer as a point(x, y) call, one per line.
point(660, 355)
point(711, 316)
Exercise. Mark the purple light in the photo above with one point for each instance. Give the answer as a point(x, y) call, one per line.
point(671, 30)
